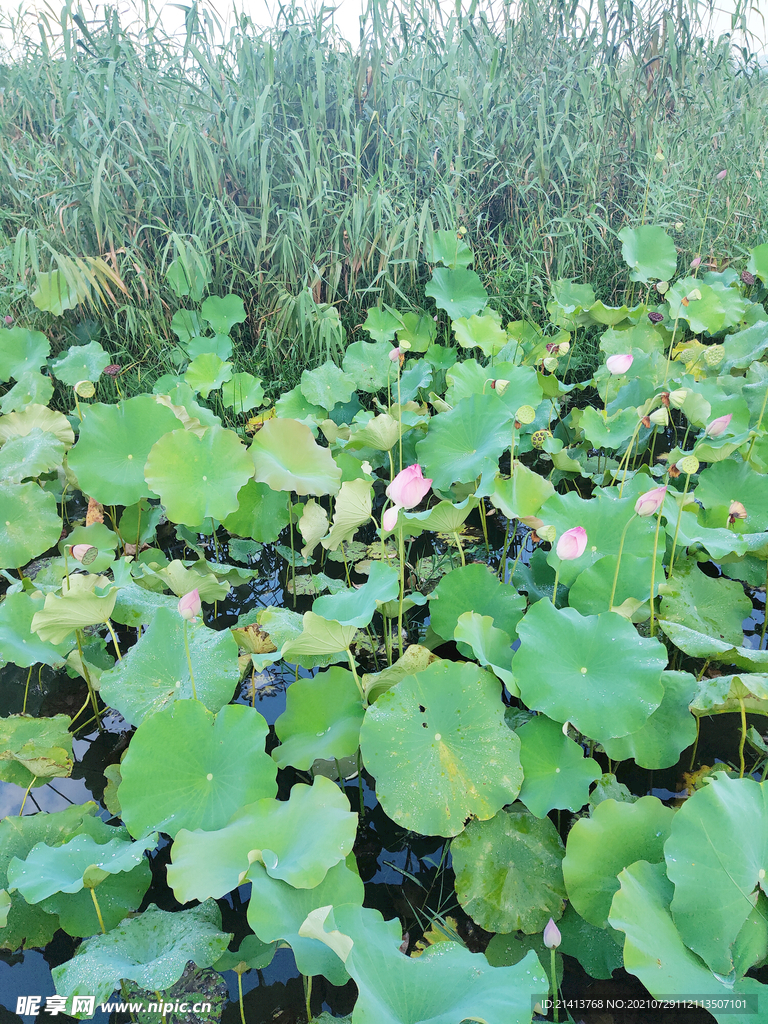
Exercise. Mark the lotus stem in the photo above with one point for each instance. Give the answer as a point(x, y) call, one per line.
point(352, 665)
point(114, 640)
point(391, 466)
point(401, 553)
point(240, 996)
point(26, 691)
point(97, 909)
point(360, 796)
point(485, 526)
point(743, 739)
point(503, 562)
point(669, 352)
point(757, 426)
point(308, 995)
point(765, 609)
point(626, 457)
point(677, 524)
point(553, 976)
point(461, 549)
point(618, 560)
point(26, 794)
point(87, 675)
point(557, 580)
point(216, 539)
point(189, 661)
point(293, 553)
point(399, 418)
point(653, 571)
point(512, 452)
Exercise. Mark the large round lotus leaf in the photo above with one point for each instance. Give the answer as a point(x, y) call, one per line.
point(207, 372)
point(508, 871)
point(37, 453)
point(18, 644)
point(459, 292)
point(655, 952)
point(369, 365)
point(381, 324)
point(29, 523)
point(81, 362)
point(591, 592)
point(261, 513)
point(252, 954)
point(715, 607)
point(19, 424)
point(670, 729)
point(287, 458)
point(22, 351)
point(706, 313)
point(716, 857)
point(50, 869)
point(439, 749)
point(355, 607)
point(78, 606)
point(223, 311)
point(327, 386)
point(118, 896)
point(186, 768)
point(32, 387)
point(152, 949)
point(198, 478)
point(466, 442)
point(444, 985)
point(35, 749)
point(217, 344)
point(113, 446)
point(322, 719)
point(555, 771)
point(474, 588)
point(297, 840)
point(241, 392)
point(155, 671)
point(276, 911)
point(449, 248)
point(598, 950)
point(444, 517)
point(649, 252)
point(599, 847)
point(595, 671)
point(728, 481)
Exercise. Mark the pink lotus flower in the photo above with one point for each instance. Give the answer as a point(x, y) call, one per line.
point(405, 491)
point(79, 550)
point(190, 606)
point(552, 937)
point(394, 355)
point(619, 364)
point(651, 501)
point(572, 544)
point(718, 426)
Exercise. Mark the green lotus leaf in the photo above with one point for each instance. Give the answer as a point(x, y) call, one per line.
point(508, 871)
point(483, 332)
point(474, 588)
point(327, 385)
point(523, 494)
point(380, 433)
point(242, 392)
point(598, 950)
point(702, 645)
point(32, 387)
point(19, 424)
point(576, 682)
point(182, 580)
point(355, 607)
point(351, 510)
point(283, 626)
point(725, 693)
point(181, 400)
point(491, 647)
point(29, 523)
point(419, 330)
point(715, 607)
point(444, 985)
point(277, 911)
point(82, 362)
point(415, 659)
point(598, 848)
point(18, 644)
point(113, 447)
point(186, 768)
point(716, 855)
point(207, 372)
point(703, 314)
point(23, 351)
point(296, 840)
point(734, 304)
point(261, 513)
point(287, 458)
point(656, 954)
point(571, 298)
point(591, 592)
point(321, 720)
point(744, 347)
point(189, 275)
point(670, 729)
point(381, 324)
point(729, 481)
point(466, 442)
point(369, 365)
point(50, 869)
point(222, 312)
point(449, 248)
point(54, 293)
point(444, 517)
point(470, 378)
point(198, 478)
point(155, 671)
point(119, 895)
point(318, 636)
point(718, 541)
point(609, 316)
point(186, 324)
point(506, 950)
point(459, 292)
point(98, 536)
point(217, 344)
point(447, 725)
point(78, 606)
point(555, 771)
point(313, 526)
point(34, 750)
point(610, 433)
point(252, 955)
point(152, 949)
point(649, 252)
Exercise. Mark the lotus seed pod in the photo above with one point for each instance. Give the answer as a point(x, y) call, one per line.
point(525, 414)
point(659, 157)
point(688, 465)
point(747, 278)
point(659, 417)
point(677, 398)
point(694, 295)
point(714, 355)
point(550, 363)
point(564, 348)
point(85, 389)
point(655, 318)
point(662, 287)
point(547, 533)
point(500, 386)
point(405, 346)
point(539, 437)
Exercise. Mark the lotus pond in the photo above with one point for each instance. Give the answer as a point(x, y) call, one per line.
point(433, 686)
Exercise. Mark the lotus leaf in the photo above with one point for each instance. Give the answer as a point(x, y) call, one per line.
point(261, 513)
point(729, 481)
point(459, 292)
point(223, 311)
point(19, 424)
point(381, 324)
point(136, 606)
point(23, 351)
point(18, 644)
point(483, 332)
point(444, 517)
point(355, 607)
point(119, 895)
point(474, 588)
point(701, 645)
point(380, 433)
point(744, 347)
point(78, 606)
point(419, 330)
point(241, 392)
point(152, 949)
point(508, 871)
point(31, 388)
point(369, 365)
point(207, 372)
point(598, 950)
point(447, 724)
point(523, 494)
point(449, 248)
point(327, 385)
point(670, 729)
point(703, 314)
point(491, 647)
point(198, 478)
point(181, 399)
point(649, 252)
point(54, 293)
point(598, 848)
point(718, 542)
point(296, 840)
point(97, 536)
point(322, 719)
point(591, 592)
point(466, 442)
point(415, 659)
point(33, 750)
point(610, 433)
point(715, 607)
point(577, 681)
point(654, 950)
point(31, 523)
point(186, 768)
point(555, 771)
point(287, 458)
point(318, 636)
point(352, 509)
point(82, 362)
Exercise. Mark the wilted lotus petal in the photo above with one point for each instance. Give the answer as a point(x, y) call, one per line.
point(736, 511)
point(389, 519)
point(721, 174)
point(572, 544)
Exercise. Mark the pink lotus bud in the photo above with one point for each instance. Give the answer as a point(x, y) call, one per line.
point(619, 364)
point(695, 262)
point(718, 426)
point(408, 487)
point(572, 544)
point(552, 936)
point(394, 355)
point(721, 174)
point(651, 501)
point(8, 320)
point(190, 606)
point(389, 519)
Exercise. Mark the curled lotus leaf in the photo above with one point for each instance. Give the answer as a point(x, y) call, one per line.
point(287, 458)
